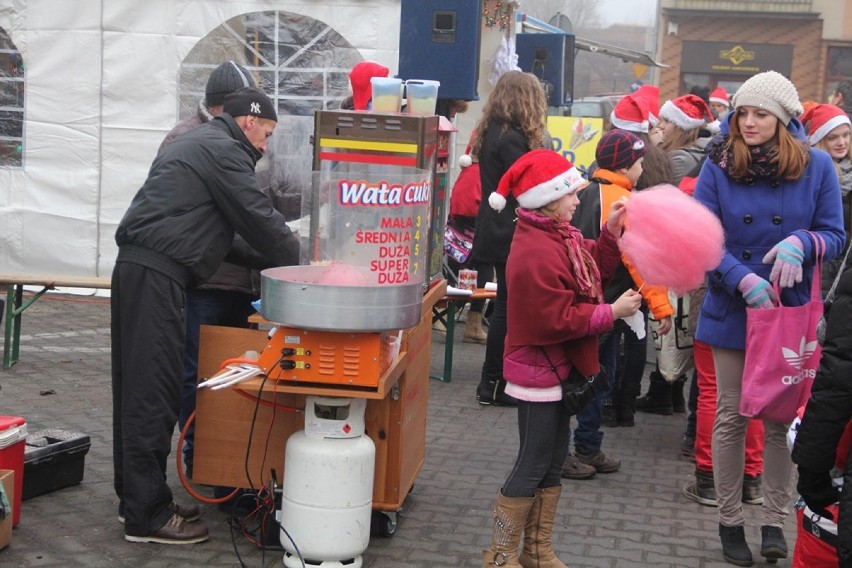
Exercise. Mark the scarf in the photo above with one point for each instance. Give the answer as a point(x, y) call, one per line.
point(764, 159)
point(583, 265)
point(845, 166)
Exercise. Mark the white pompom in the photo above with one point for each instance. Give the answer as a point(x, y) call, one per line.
point(465, 161)
point(496, 201)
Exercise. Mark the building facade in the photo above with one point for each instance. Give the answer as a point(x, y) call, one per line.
point(711, 43)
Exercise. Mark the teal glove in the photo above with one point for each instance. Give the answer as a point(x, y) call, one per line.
point(757, 292)
point(787, 257)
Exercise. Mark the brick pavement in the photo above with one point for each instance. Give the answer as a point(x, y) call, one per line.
point(636, 517)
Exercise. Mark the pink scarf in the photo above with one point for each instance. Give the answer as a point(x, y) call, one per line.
point(583, 264)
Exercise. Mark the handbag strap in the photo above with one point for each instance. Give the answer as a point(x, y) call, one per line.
point(816, 281)
point(829, 297)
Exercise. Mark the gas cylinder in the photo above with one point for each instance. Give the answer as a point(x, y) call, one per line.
point(327, 494)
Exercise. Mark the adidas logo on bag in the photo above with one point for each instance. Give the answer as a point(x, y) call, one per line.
point(797, 359)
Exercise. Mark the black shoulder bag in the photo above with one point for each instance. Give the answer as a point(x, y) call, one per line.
point(577, 390)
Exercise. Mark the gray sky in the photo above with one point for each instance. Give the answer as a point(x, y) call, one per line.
point(627, 11)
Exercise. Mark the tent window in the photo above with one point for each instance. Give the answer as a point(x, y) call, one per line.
point(11, 104)
point(300, 62)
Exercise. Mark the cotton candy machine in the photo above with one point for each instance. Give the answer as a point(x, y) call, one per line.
point(365, 227)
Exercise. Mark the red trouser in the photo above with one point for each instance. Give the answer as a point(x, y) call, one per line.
point(706, 414)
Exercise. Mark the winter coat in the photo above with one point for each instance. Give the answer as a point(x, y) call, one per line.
point(545, 312)
point(683, 160)
point(201, 189)
point(595, 200)
point(494, 230)
point(755, 217)
point(830, 408)
point(228, 277)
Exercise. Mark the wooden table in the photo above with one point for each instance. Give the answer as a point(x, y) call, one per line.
point(445, 312)
point(15, 304)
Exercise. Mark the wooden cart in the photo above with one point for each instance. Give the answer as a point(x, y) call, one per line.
point(235, 448)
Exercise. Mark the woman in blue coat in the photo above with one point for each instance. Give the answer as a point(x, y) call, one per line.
point(768, 188)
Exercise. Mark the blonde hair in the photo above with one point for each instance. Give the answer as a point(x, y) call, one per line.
point(517, 101)
point(823, 145)
point(792, 159)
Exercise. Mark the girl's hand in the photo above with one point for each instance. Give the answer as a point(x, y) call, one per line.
point(617, 213)
point(627, 304)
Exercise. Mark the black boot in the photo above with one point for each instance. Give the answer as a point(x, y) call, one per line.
point(658, 399)
point(734, 546)
point(625, 409)
point(703, 489)
point(492, 392)
point(678, 400)
point(772, 544)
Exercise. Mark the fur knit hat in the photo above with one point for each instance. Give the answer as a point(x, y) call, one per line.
point(687, 112)
point(619, 149)
point(822, 119)
point(631, 113)
point(537, 178)
point(225, 79)
point(770, 91)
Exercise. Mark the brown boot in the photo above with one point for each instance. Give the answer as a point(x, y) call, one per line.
point(473, 332)
point(510, 515)
point(538, 549)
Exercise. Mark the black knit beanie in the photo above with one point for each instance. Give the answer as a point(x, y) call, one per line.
point(226, 78)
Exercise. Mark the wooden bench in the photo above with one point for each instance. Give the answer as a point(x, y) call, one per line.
point(445, 312)
point(15, 304)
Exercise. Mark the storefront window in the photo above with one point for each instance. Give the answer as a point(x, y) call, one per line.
point(11, 104)
point(838, 68)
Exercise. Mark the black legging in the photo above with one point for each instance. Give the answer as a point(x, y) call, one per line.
point(492, 367)
point(544, 430)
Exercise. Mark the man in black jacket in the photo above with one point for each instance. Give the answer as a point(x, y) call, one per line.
point(178, 229)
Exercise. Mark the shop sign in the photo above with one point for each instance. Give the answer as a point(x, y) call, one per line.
point(735, 58)
point(575, 138)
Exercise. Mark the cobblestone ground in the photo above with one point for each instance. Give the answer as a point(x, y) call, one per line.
point(635, 517)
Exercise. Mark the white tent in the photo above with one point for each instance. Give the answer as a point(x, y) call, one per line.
point(99, 83)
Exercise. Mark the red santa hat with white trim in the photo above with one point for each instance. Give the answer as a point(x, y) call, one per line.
point(651, 93)
point(822, 119)
point(631, 113)
point(687, 112)
point(537, 178)
point(465, 159)
point(720, 95)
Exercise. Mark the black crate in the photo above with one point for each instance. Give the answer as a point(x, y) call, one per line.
point(53, 459)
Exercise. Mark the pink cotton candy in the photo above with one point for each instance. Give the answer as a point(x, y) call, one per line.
point(671, 239)
point(339, 274)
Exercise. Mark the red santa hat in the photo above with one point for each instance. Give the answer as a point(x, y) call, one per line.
point(465, 160)
point(687, 112)
point(651, 94)
point(537, 178)
point(822, 119)
point(359, 77)
point(631, 113)
point(720, 95)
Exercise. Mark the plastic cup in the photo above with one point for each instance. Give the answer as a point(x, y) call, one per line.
point(387, 94)
point(422, 96)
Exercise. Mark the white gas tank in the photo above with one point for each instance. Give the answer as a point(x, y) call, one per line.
point(327, 495)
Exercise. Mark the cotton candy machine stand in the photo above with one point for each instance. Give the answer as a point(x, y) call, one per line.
point(395, 416)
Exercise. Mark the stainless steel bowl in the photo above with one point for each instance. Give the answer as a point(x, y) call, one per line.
point(290, 295)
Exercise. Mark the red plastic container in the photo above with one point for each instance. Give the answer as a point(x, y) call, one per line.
point(13, 438)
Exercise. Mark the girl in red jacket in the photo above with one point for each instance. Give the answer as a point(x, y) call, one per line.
point(555, 312)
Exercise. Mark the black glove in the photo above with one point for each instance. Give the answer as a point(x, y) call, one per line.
point(817, 490)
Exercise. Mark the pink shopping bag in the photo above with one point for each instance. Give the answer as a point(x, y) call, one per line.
point(782, 354)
